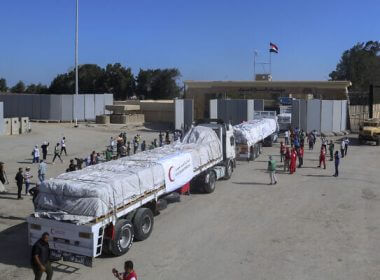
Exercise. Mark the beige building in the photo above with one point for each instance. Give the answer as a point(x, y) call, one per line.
point(203, 91)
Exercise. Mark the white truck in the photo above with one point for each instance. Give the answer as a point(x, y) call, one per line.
point(130, 190)
point(252, 135)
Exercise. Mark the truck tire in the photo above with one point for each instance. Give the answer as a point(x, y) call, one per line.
point(229, 170)
point(124, 235)
point(209, 186)
point(143, 223)
point(377, 142)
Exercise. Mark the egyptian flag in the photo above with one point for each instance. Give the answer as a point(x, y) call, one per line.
point(273, 48)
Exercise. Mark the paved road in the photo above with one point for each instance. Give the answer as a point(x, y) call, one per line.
point(309, 226)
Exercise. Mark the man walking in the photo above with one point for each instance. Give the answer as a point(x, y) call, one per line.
point(42, 171)
point(56, 153)
point(40, 258)
point(19, 181)
point(342, 147)
point(63, 146)
point(143, 146)
point(36, 154)
point(27, 177)
point(272, 170)
point(331, 150)
point(346, 141)
point(44, 148)
point(337, 160)
point(129, 273)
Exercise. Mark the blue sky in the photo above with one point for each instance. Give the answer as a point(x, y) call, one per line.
point(206, 40)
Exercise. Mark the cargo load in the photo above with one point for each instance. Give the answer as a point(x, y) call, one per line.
point(254, 131)
point(97, 190)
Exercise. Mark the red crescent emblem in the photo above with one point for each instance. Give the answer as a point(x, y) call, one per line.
point(170, 175)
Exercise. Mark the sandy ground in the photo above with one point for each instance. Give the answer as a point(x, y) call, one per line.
point(309, 226)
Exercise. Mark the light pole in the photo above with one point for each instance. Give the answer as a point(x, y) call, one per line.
point(76, 64)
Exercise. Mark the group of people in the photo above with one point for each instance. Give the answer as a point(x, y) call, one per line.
point(296, 139)
point(24, 178)
point(120, 146)
point(59, 149)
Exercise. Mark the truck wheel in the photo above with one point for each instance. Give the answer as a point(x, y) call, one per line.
point(143, 223)
point(229, 170)
point(209, 187)
point(123, 237)
point(377, 142)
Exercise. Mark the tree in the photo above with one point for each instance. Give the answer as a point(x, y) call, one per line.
point(158, 83)
point(360, 65)
point(90, 78)
point(19, 87)
point(39, 89)
point(3, 85)
point(119, 81)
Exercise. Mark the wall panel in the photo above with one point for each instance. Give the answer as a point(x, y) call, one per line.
point(327, 116)
point(337, 114)
point(313, 115)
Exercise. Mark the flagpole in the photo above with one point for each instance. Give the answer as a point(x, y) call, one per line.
point(270, 63)
point(254, 65)
point(76, 62)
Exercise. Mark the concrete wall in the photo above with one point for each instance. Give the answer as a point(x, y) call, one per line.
point(313, 115)
point(296, 113)
point(326, 114)
point(1, 118)
point(232, 110)
point(55, 107)
point(303, 114)
point(259, 105)
point(322, 115)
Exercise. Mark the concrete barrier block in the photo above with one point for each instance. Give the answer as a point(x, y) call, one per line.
point(7, 126)
point(118, 119)
point(103, 119)
point(24, 125)
point(15, 126)
point(122, 109)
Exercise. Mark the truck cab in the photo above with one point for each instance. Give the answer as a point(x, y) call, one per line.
point(224, 169)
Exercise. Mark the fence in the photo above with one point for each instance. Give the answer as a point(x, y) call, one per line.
point(55, 107)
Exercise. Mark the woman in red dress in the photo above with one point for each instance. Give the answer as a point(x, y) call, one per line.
point(293, 161)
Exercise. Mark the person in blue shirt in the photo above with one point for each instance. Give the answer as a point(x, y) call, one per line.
point(337, 160)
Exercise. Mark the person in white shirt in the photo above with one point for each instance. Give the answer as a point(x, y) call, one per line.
point(342, 147)
point(287, 133)
point(346, 141)
point(36, 154)
point(27, 177)
point(63, 146)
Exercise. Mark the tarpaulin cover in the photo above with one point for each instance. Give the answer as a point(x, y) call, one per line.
point(96, 190)
point(254, 131)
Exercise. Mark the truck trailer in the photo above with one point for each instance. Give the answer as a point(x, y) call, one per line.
point(105, 207)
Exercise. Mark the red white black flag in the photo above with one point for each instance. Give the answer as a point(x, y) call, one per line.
point(273, 48)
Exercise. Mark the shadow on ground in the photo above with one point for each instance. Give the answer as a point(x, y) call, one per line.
point(15, 250)
point(250, 183)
